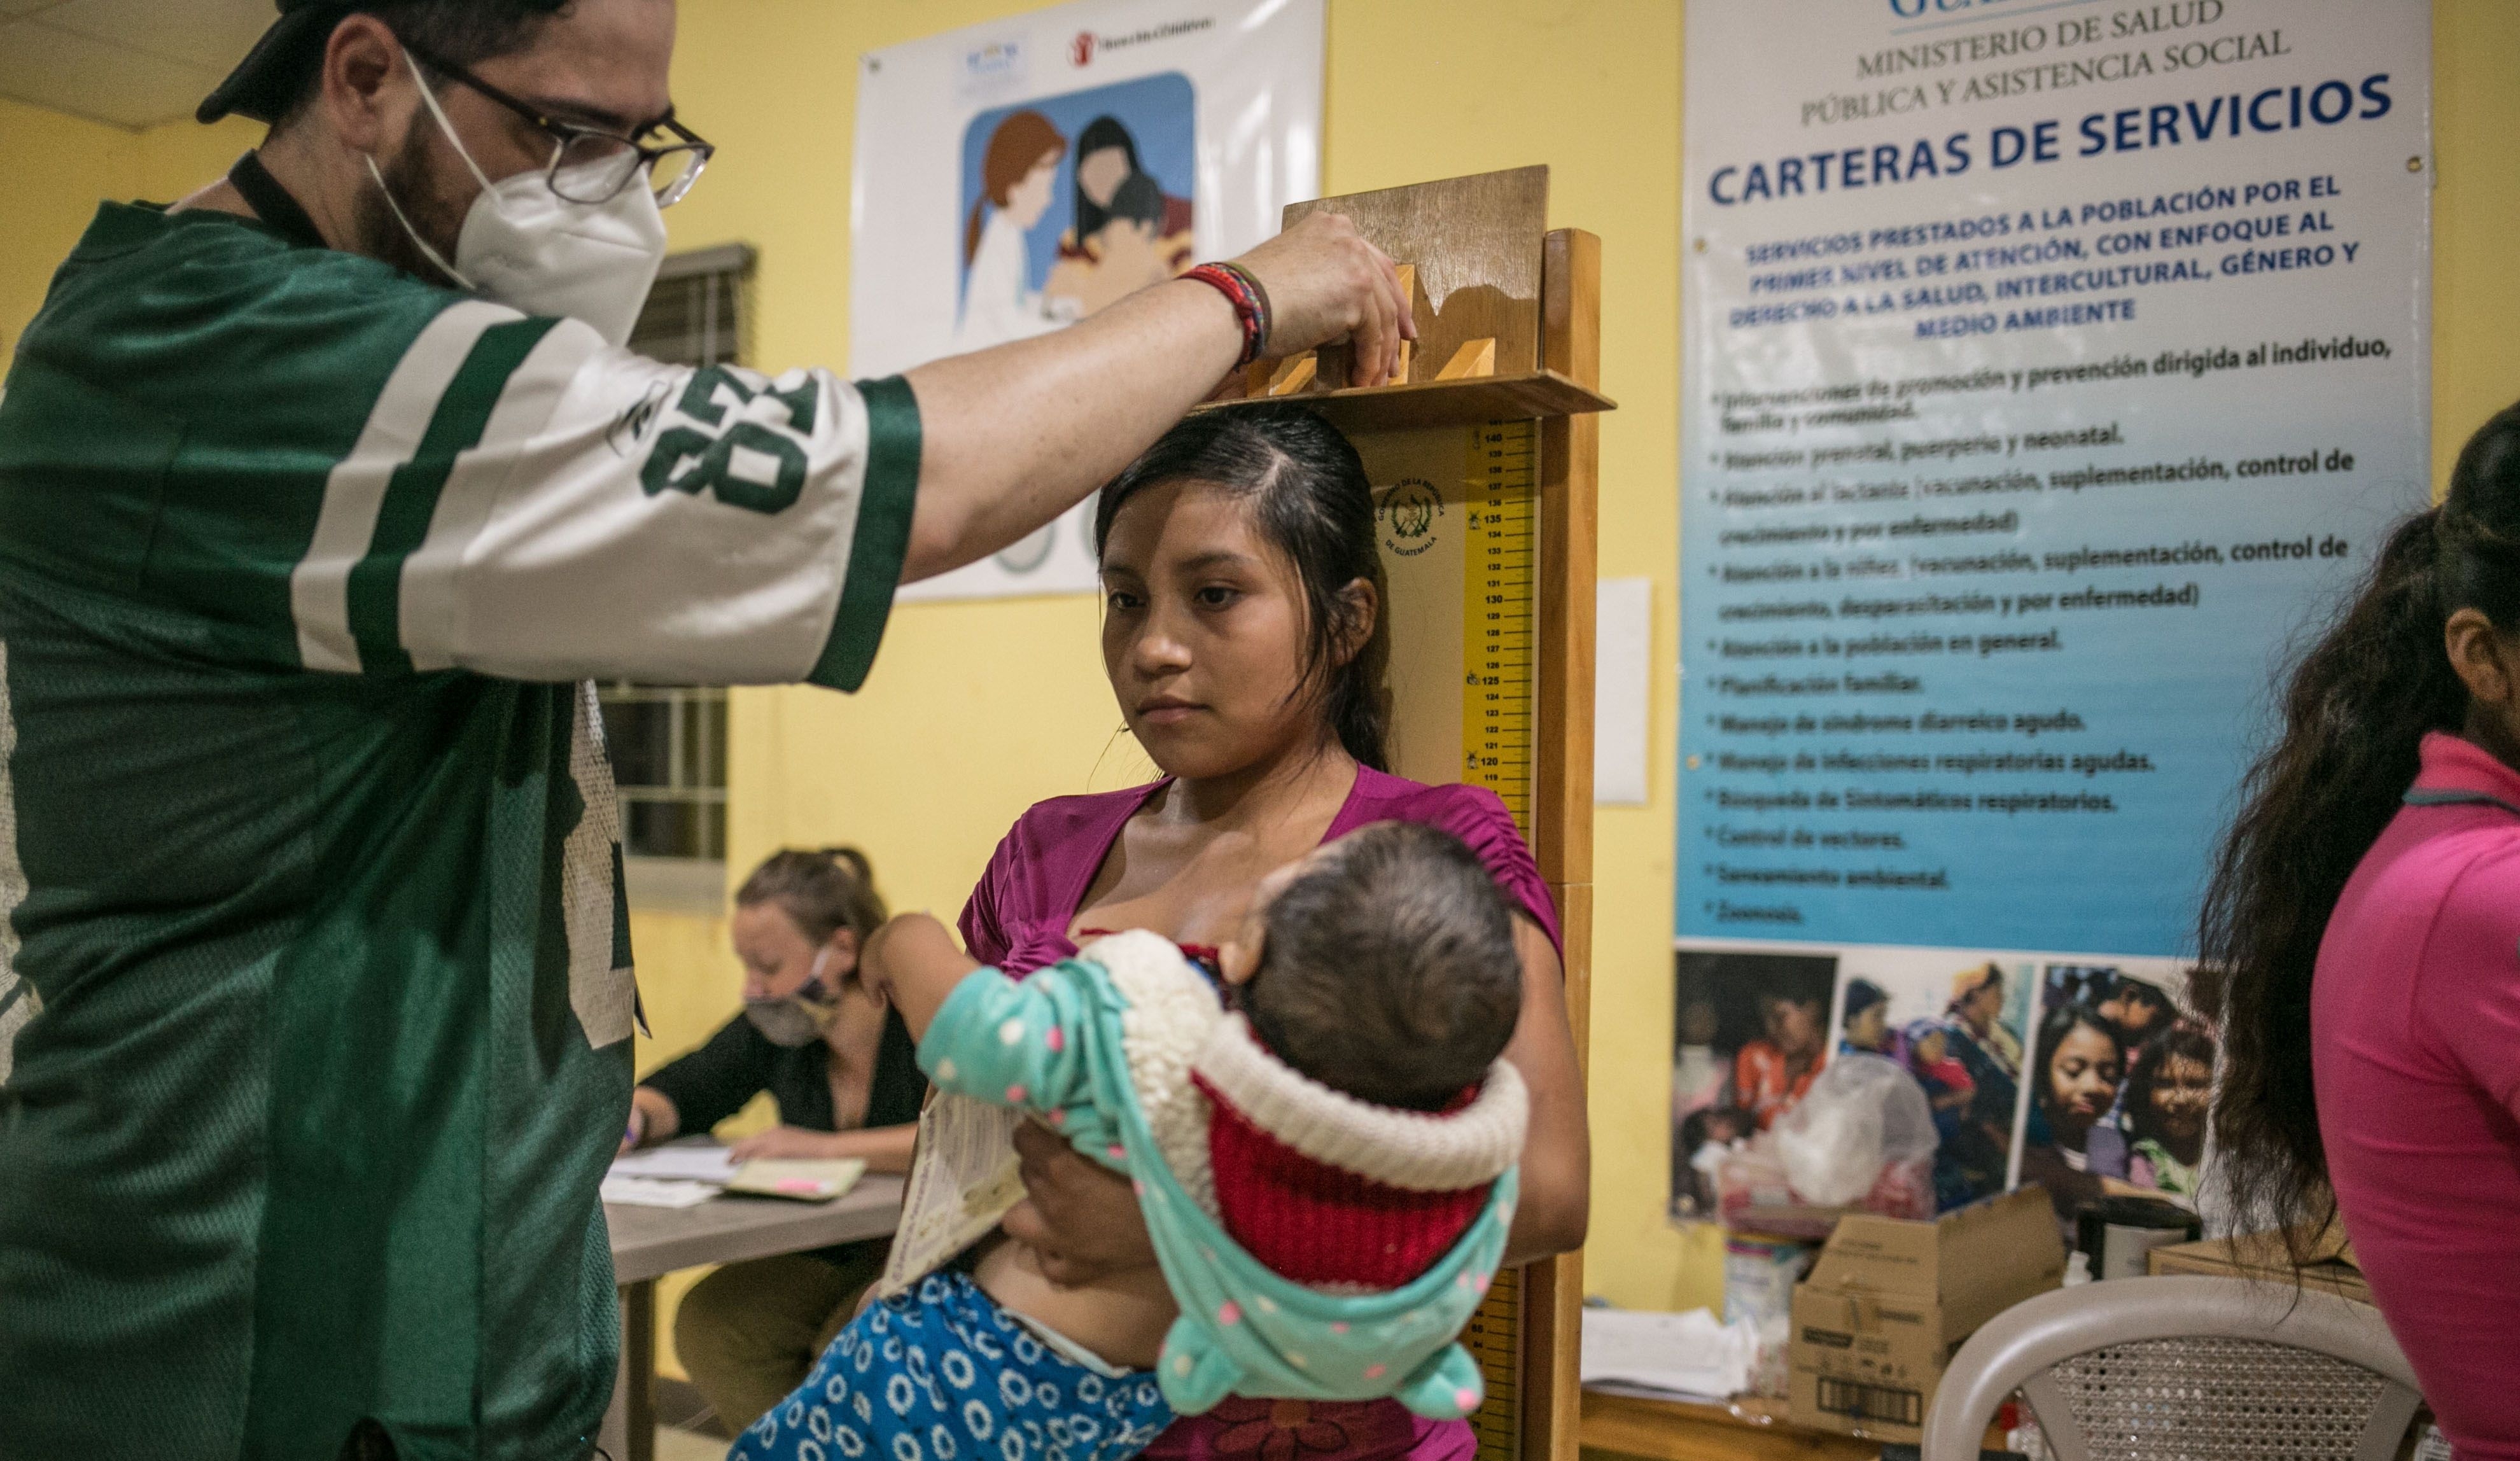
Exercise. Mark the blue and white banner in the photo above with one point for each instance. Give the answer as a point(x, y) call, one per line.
point(2048, 370)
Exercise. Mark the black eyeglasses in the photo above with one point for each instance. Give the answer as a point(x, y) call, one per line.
point(590, 165)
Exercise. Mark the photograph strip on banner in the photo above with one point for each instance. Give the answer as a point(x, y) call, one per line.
point(1016, 176)
point(2048, 372)
point(2089, 1077)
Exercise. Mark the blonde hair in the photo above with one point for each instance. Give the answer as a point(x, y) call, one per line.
point(824, 889)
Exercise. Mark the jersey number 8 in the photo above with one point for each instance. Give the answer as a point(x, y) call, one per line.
point(767, 476)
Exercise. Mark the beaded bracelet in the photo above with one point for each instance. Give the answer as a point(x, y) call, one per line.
point(1249, 300)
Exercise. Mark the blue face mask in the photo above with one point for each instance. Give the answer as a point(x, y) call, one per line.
point(800, 1018)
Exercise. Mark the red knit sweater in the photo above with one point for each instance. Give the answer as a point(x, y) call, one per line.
point(1317, 1224)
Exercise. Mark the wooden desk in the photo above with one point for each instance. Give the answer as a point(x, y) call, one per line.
point(648, 1243)
point(1747, 1428)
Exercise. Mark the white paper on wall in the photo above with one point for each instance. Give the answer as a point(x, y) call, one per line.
point(1623, 685)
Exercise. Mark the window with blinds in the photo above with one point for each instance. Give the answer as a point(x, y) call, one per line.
point(668, 741)
point(698, 312)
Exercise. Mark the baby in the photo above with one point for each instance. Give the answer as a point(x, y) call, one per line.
point(1948, 1087)
point(1324, 1151)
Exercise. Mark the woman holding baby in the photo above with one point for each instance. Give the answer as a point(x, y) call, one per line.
point(1245, 643)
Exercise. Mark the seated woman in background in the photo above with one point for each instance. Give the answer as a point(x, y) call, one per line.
point(1246, 641)
point(2364, 911)
point(844, 1073)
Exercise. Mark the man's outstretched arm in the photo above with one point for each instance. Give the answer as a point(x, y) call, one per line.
point(1014, 436)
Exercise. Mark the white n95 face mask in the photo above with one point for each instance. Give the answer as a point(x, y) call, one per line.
point(527, 246)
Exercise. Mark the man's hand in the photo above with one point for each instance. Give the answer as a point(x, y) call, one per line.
point(1081, 1218)
point(1327, 283)
point(1014, 436)
point(792, 1142)
point(652, 1119)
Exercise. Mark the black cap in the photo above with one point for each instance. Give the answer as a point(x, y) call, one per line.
point(266, 81)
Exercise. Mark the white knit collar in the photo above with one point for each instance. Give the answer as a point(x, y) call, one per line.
point(1416, 1151)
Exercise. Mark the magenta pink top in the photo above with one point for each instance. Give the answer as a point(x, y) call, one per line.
point(2416, 1049)
point(1017, 919)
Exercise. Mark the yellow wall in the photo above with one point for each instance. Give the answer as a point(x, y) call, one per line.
point(2476, 216)
point(65, 166)
point(974, 711)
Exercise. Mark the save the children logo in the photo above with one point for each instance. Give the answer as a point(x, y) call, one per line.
point(1410, 510)
point(1088, 45)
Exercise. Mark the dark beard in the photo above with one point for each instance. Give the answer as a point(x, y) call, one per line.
point(413, 181)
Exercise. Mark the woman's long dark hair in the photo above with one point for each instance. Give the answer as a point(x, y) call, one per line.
point(1100, 134)
point(2355, 715)
point(1309, 494)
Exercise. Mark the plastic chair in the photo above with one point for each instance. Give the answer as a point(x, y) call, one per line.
point(2182, 1369)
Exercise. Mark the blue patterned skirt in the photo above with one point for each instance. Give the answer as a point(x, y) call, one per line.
point(943, 1373)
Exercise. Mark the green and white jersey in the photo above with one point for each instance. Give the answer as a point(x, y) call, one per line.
point(317, 965)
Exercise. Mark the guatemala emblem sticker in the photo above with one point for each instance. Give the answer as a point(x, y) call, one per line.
point(1410, 510)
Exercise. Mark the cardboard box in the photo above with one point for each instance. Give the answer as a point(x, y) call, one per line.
point(2262, 1255)
point(1890, 1300)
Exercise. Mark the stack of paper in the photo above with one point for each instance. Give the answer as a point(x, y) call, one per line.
point(656, 1192)
point(680, 1173)
point(1686, 1357)
point(697, 1162)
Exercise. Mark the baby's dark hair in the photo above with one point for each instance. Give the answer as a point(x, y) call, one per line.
point(1389, 970)
point(1139, 199)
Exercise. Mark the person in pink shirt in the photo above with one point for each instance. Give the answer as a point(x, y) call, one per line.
point(1244, 639)
point(2365, 912)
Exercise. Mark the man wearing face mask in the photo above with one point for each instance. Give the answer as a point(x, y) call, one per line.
point(317, 489)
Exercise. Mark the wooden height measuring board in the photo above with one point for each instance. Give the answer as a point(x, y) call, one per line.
point(1485, 464)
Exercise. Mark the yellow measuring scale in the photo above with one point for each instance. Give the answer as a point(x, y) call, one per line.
point(1460, 547)
point(1461, 554)
point(1500, 587)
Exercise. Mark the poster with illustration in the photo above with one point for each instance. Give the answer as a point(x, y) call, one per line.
point(1955, 1023)
point(1016, 176)
point(2120, 1074)
point(1752, 1033)
point(1073, 201)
